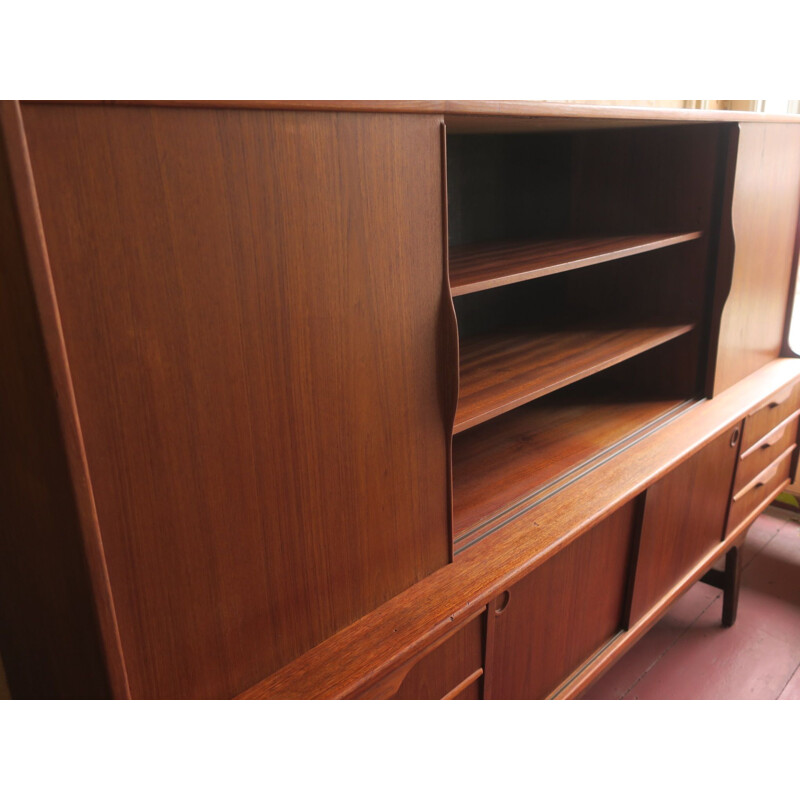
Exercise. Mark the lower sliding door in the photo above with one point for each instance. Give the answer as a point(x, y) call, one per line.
point(684, 518)
point(551, 621)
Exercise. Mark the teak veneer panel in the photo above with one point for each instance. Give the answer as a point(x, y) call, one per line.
point(448, 667)
point(577, 683)
point(50, 637)
point(760, 455)
point(660, 179)
point(471, 112)
point(499, 463)
point(233, 372)
point(474, 268)
point(774, 410)
point(562, 612)
point(392, 634)
point(499, 372)
point(251, 305)
point(765, 485)
point(766, 202)
point(684, 519)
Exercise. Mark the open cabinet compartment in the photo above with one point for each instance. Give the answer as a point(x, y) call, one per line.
point(581, 270)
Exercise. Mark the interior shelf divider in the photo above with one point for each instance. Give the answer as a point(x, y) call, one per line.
point(474, 268)
point(501, 371)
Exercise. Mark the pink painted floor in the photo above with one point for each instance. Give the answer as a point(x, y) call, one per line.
point(689, 656)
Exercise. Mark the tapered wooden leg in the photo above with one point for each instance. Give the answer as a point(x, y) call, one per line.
point(728, 581)
point(730, 597)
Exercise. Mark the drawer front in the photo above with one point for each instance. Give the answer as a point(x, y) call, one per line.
point(760, 455)
point(761, 489)
point(445, 670)
point(449, 669)
point(774, 410)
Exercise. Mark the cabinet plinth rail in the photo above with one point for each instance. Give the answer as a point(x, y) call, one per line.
point(474, 268)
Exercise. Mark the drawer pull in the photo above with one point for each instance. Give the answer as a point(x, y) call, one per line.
point(767, 476)
point(773, 438)
point(782, 398)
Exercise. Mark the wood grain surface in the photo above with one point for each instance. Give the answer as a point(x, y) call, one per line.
point(232, 362)
point(600, 661)
point(502, 371)
point(449, 668)
point(766, 202)
point(562, 612)
point(500, 463)
point(762, 486)
point(474, 268)
point(251, 305)
point(660, 179)
point(764, 451)
point(390, 635)
point(483, 109)
point(50, 629)
point(684, 519)
point(773, 410)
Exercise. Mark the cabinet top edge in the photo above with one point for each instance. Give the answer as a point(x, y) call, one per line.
point(453, 110)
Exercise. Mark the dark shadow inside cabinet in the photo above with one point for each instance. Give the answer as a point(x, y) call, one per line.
point(581, 269)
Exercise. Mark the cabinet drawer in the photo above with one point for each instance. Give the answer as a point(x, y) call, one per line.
point(760, 488)
point(769, 415)
point(447, 669)
point(761, 454)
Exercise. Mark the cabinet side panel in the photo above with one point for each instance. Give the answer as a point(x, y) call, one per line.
point(766, 198)
point(49, 636)
point(251, 304)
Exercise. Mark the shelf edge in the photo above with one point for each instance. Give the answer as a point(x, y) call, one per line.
point(458, 289)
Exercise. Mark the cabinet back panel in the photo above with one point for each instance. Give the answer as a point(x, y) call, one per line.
point(507, 187)
point(252, 305)
point(661, 179)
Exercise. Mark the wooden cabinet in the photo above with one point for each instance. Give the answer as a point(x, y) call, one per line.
point(296, 397)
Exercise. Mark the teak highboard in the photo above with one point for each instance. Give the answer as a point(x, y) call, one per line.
point(380, 400)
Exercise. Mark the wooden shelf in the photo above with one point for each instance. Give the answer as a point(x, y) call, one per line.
point(474, 268)
point(505, 465)
point(502, 371)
